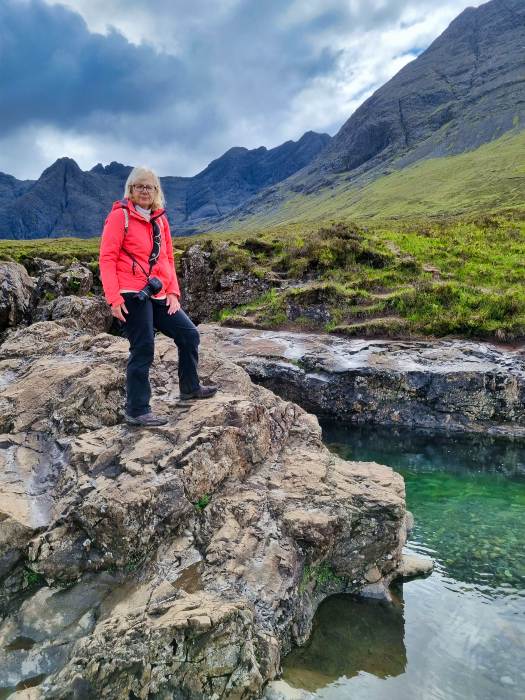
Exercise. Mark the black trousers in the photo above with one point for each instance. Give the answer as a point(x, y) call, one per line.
point(142, 320)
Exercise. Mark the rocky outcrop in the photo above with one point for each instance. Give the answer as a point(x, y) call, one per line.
point(56, 280)
point(89, 313)
point(207, 288)
point(16, 293)
point(175, 562)
point(445, 384)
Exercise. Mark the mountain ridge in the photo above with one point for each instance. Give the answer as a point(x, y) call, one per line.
point(66, 200)
point(466, 89)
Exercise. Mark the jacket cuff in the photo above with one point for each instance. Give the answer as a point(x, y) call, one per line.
point(116, 300)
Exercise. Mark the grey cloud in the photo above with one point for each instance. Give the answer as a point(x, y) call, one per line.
point(186, 81)
point(55, 71)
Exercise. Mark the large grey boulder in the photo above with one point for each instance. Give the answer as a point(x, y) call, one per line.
point(91, 313)
point(220, 533)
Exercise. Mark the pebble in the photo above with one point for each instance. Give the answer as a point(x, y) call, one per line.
point(506, 680)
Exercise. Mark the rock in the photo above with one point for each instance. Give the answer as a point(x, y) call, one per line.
point(90, 313)
point(412, 565)
point(77, 279)
point(38, 638)
point(440, 384)
point(54, 281)
point(27, 694)
point(16, 289)
point(61, 392)
point(196, 553)
point(206, 289)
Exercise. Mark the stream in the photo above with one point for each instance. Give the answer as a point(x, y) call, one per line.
point(459, 633)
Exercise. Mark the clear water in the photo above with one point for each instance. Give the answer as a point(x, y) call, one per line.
point(460, 633)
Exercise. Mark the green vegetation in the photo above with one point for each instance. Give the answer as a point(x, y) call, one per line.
point(426, 277)
point(489, 178)
point(32, 579)
point(62, 250)
point(381, 260)
point(321, 574)
point(202, 502)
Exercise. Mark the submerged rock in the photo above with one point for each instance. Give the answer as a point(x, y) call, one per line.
point(197, 552)
point(413, 565)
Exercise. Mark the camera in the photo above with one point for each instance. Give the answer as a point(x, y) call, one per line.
point(153, 286)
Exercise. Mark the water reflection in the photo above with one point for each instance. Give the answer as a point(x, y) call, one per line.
point(459, 634)
point(339, 622)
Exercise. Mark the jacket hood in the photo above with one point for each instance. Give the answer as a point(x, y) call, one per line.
point(128, 204)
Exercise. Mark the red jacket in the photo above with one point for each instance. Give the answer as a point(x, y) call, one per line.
point(116, 267)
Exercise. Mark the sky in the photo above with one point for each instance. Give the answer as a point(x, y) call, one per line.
point(173, 84)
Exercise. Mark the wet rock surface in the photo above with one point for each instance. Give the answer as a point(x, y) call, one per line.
point(180, 561)
point(445, 384)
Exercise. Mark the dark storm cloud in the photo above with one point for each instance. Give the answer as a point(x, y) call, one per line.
point(175, 84)
point(54, 70)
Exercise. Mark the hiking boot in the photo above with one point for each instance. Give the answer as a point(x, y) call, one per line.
point(203, 392)
point(147, 420)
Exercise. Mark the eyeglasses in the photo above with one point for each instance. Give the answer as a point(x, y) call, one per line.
point(144, 188)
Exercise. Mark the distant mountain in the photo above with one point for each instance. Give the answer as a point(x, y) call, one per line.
point(66, 201)
point(465, 90)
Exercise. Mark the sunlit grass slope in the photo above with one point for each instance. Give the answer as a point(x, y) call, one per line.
point(489, 178)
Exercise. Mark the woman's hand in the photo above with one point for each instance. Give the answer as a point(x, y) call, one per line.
point(118, 311)
point(172, 300)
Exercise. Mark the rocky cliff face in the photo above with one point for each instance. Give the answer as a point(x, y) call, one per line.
point(175, 562)
point(465, 90)
point(65, 201)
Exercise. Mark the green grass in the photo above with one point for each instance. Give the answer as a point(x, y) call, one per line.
point(32, 579)
point(461, 276)
point(322, 575)
point(202, 502)
point(379, 275)
point(447, 276)
point(489, 178)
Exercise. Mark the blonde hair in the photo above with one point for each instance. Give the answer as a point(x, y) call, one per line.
point(137, 174)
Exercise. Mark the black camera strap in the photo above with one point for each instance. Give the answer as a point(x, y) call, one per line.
point(156, 243)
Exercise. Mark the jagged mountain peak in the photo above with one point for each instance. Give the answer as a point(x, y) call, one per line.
point(67, 201)
point(469, 74)
point(62, 165)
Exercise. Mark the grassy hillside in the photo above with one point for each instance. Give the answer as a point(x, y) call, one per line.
point(412, 277)
point(489, 178)
point(462, 277)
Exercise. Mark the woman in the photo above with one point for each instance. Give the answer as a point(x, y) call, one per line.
point(140, 285)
